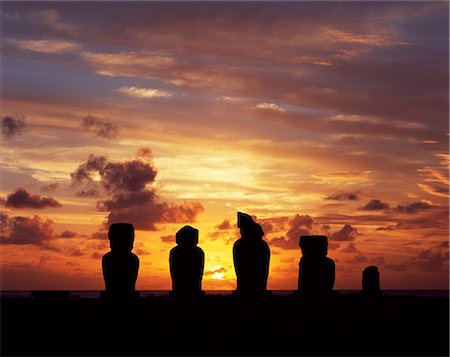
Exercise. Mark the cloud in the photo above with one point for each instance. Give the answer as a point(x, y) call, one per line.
point(350, 248)
point(131, 199)
point(432, 259)
point(224, 225)
point(145, 153)
point(67, 234)
point(377, 40)
point(357, 259)
point(220, 270)
point(299, 225)
point(23, 199)
point(270, 106)
point(412, 207)
point(343, 196)
point(434, 189)
point(51, 187)
point(144, 93)
point(47, 46)
point(375, 205)
point(96, 255)
point(347, 233)
point(287, 260)
point(82, 176)
point(168, 239)
point(12, 126)
point(378, 260)
point(75, 252)
point(342, 176)
point(27, 230)
point(101, 127)
point(100, 235)
point(141, 251)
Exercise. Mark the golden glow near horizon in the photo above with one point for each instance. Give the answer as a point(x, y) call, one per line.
point(313, 125)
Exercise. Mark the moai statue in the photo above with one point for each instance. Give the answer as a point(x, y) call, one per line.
point(120, 265)
point(186, 263)
point(251, 255)
point(316, 271)
point(371, 281)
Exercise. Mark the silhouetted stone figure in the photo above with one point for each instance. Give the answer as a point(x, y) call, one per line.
point(316, 271)
point(186, 263)
point(371, 281)
point(251, 255)
point(120, 265)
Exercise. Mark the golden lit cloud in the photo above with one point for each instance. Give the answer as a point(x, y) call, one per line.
point(366, 39)
point(271, 106)
point(144, 92)
point(47, 46)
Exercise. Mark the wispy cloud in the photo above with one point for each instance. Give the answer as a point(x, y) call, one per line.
point(271, 106)
point(47, 46)
point(144, 93)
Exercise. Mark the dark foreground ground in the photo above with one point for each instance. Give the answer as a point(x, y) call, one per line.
point(226, 325)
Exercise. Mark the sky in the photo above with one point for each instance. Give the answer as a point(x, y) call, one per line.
point(326, 118)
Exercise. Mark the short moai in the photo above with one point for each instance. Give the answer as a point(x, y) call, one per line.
point(120, 266)
point(371, 281)
point(187, 263)
point(251, 255)
point(316, 271)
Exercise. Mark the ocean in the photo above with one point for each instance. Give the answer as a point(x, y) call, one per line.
point(94, 294)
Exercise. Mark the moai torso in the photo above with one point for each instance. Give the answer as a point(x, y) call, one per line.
point(187, 262)
point(316, 270)
point(251, 257)
point(120, 266)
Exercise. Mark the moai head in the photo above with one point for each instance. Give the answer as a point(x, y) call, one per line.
point(121, 237)
point(248, 227)
point(314, 246)
point(187, 237)
point(371, 279)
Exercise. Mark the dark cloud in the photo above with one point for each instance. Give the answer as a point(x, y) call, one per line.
point(432, 259)
point(141, 251)
point(350, 248)
point(347, 233)
point(67, 234)
point(357, 259)
point(82, 176)
point(96, 255)
point(378, 260)
point(412, 207)
point(397, 266)
point(333, 246)
point(224, 225)
point(343, 196)
point(212, 272)
point(12, 126)
point(75, 252)
point(131, 199)
point(100, 127)
point(168, 239)
point(51, 187)
point(375, 205)
point(299, 225)
point(23, 199)
point(128, 176)
point(100, 235)
point(27, 230)
point(145, 153)
point(152, 213)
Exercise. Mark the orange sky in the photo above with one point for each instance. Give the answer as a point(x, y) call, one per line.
point(316, 118)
